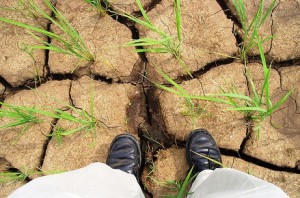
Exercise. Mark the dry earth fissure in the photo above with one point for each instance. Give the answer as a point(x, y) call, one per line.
point(151, 106)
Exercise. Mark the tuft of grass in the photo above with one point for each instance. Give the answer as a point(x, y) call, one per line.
point(27, 116)
point(25, 8)
point(10, 176)
point(249, 28)
point(257, 108)
point(70, 42)
point(97, 4)
point(180, 189)
point(166, 43)
point(21, 116)
point(85, 121)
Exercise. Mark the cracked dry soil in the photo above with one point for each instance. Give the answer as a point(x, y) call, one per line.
point(124, 101)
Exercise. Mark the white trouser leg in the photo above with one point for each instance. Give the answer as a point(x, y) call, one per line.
point(226, 182)
point(95, 180)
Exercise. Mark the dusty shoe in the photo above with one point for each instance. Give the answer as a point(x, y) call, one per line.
point(200, 141)
point(125, 154)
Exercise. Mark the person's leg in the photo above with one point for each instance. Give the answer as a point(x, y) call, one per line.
point(221, 182)
point(226, 182)
point(95, 180)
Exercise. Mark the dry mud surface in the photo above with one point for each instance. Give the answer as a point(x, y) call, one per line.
point(113, 90)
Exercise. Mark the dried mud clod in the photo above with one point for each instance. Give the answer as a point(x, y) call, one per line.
point(16, 65)
point(111, 59)
point(25, 154)
point(110, 103)
point(161, 120)
point(227, 127)
point(207, 34)
point(170, 165)
point(279, 134)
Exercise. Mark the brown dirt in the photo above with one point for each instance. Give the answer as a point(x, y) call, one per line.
point(128, 6)
point(283, 24)
point(286, 29)
point(26, 153)
point(6, 189)
point(251, 7)
point(104, 37)
point(206, 32)
point(110, 109)
point(162, 121)
point(16, 66)
point(227, 127)
point(169, 166)
point(280, 135)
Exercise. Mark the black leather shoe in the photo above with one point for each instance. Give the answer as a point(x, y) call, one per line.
point(125, 154)
point(200, 141)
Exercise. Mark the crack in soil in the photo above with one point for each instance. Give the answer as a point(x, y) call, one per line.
point(272, 28)
point(153, 109)
point(46, 143)
point(228, 13)
point(204, 70)
point(256, 161)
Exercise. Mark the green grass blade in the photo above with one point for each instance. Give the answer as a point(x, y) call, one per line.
point(177, 10)
point(268, 12)
point(210, 159)
point(186, 182)
point(138, 2)
point(29, 27)
point(280, 102)
point(177, 86)
point(257, 100)
point(232, 95)
point(249, 109)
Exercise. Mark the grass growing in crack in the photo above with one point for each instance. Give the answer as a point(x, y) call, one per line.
point(180, 189)
point(166, 43)
point(86, 123)
point(248, 29)
point(28, 116)
point(10, 176)
point(97, 4)
point(25, 8)
point(70, 42)
point(257, 107)
point(21, 116)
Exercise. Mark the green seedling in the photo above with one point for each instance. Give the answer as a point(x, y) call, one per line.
point(248, 28)
point(97, 4)
point(21, 116)
point(25, 8)
point(86, 122)
point(179, 188)
point(27, 116)
point(166, 43)
point(10, 177)
point(257, 108)
point(69, 42)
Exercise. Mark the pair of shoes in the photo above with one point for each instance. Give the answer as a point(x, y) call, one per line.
point(125, 152)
